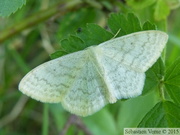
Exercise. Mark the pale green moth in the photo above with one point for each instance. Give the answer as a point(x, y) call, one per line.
point(87, 80)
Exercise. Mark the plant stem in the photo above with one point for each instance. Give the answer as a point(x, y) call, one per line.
point(59, 8)
point(164, 23)
point(161, 89)
point(163, 56)
point(75, 120)
point(45, 119)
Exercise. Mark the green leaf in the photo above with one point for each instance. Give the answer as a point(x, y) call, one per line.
point(72, 44)
point(58, 114)
point(163, 114)
point(149, 26)
point(69, 45)
point(172, 81)
point(8, 7)
point(132, 111)
point(172, 75)
point(118, 22)
point(93, 34)
point(153, 76)
point(173, 49)
point(162, 10)
point(174, 92)
point(57, 54)
point(140, 4)
point(85, 37)
point(99, 121)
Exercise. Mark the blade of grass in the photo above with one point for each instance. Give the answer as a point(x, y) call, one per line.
point(45, 119)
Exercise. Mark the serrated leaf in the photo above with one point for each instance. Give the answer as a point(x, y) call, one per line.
point(72, 44)
point(162, 10)
point(172, 81)
point(8, 7)
point(163, 114)
point(69, 45)
point(153, 76)
point(84, 38)
point(149, 26)
point(93, 34)
point(57, 54)
point(118, 22)
point(140, 4)
point(135, 23)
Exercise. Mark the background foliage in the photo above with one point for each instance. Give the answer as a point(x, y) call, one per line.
point(36, 29)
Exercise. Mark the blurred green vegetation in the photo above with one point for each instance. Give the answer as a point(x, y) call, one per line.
point(32, 45)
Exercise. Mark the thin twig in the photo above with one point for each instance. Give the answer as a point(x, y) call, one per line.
point(75, 120)
point(79, 123)
point(46, 40)
point(67, 125)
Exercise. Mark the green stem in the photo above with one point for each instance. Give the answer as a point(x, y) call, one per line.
point(164, 23)
point(45, 119)
point(58, 8)
point(163, 56)
point(161, 89)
